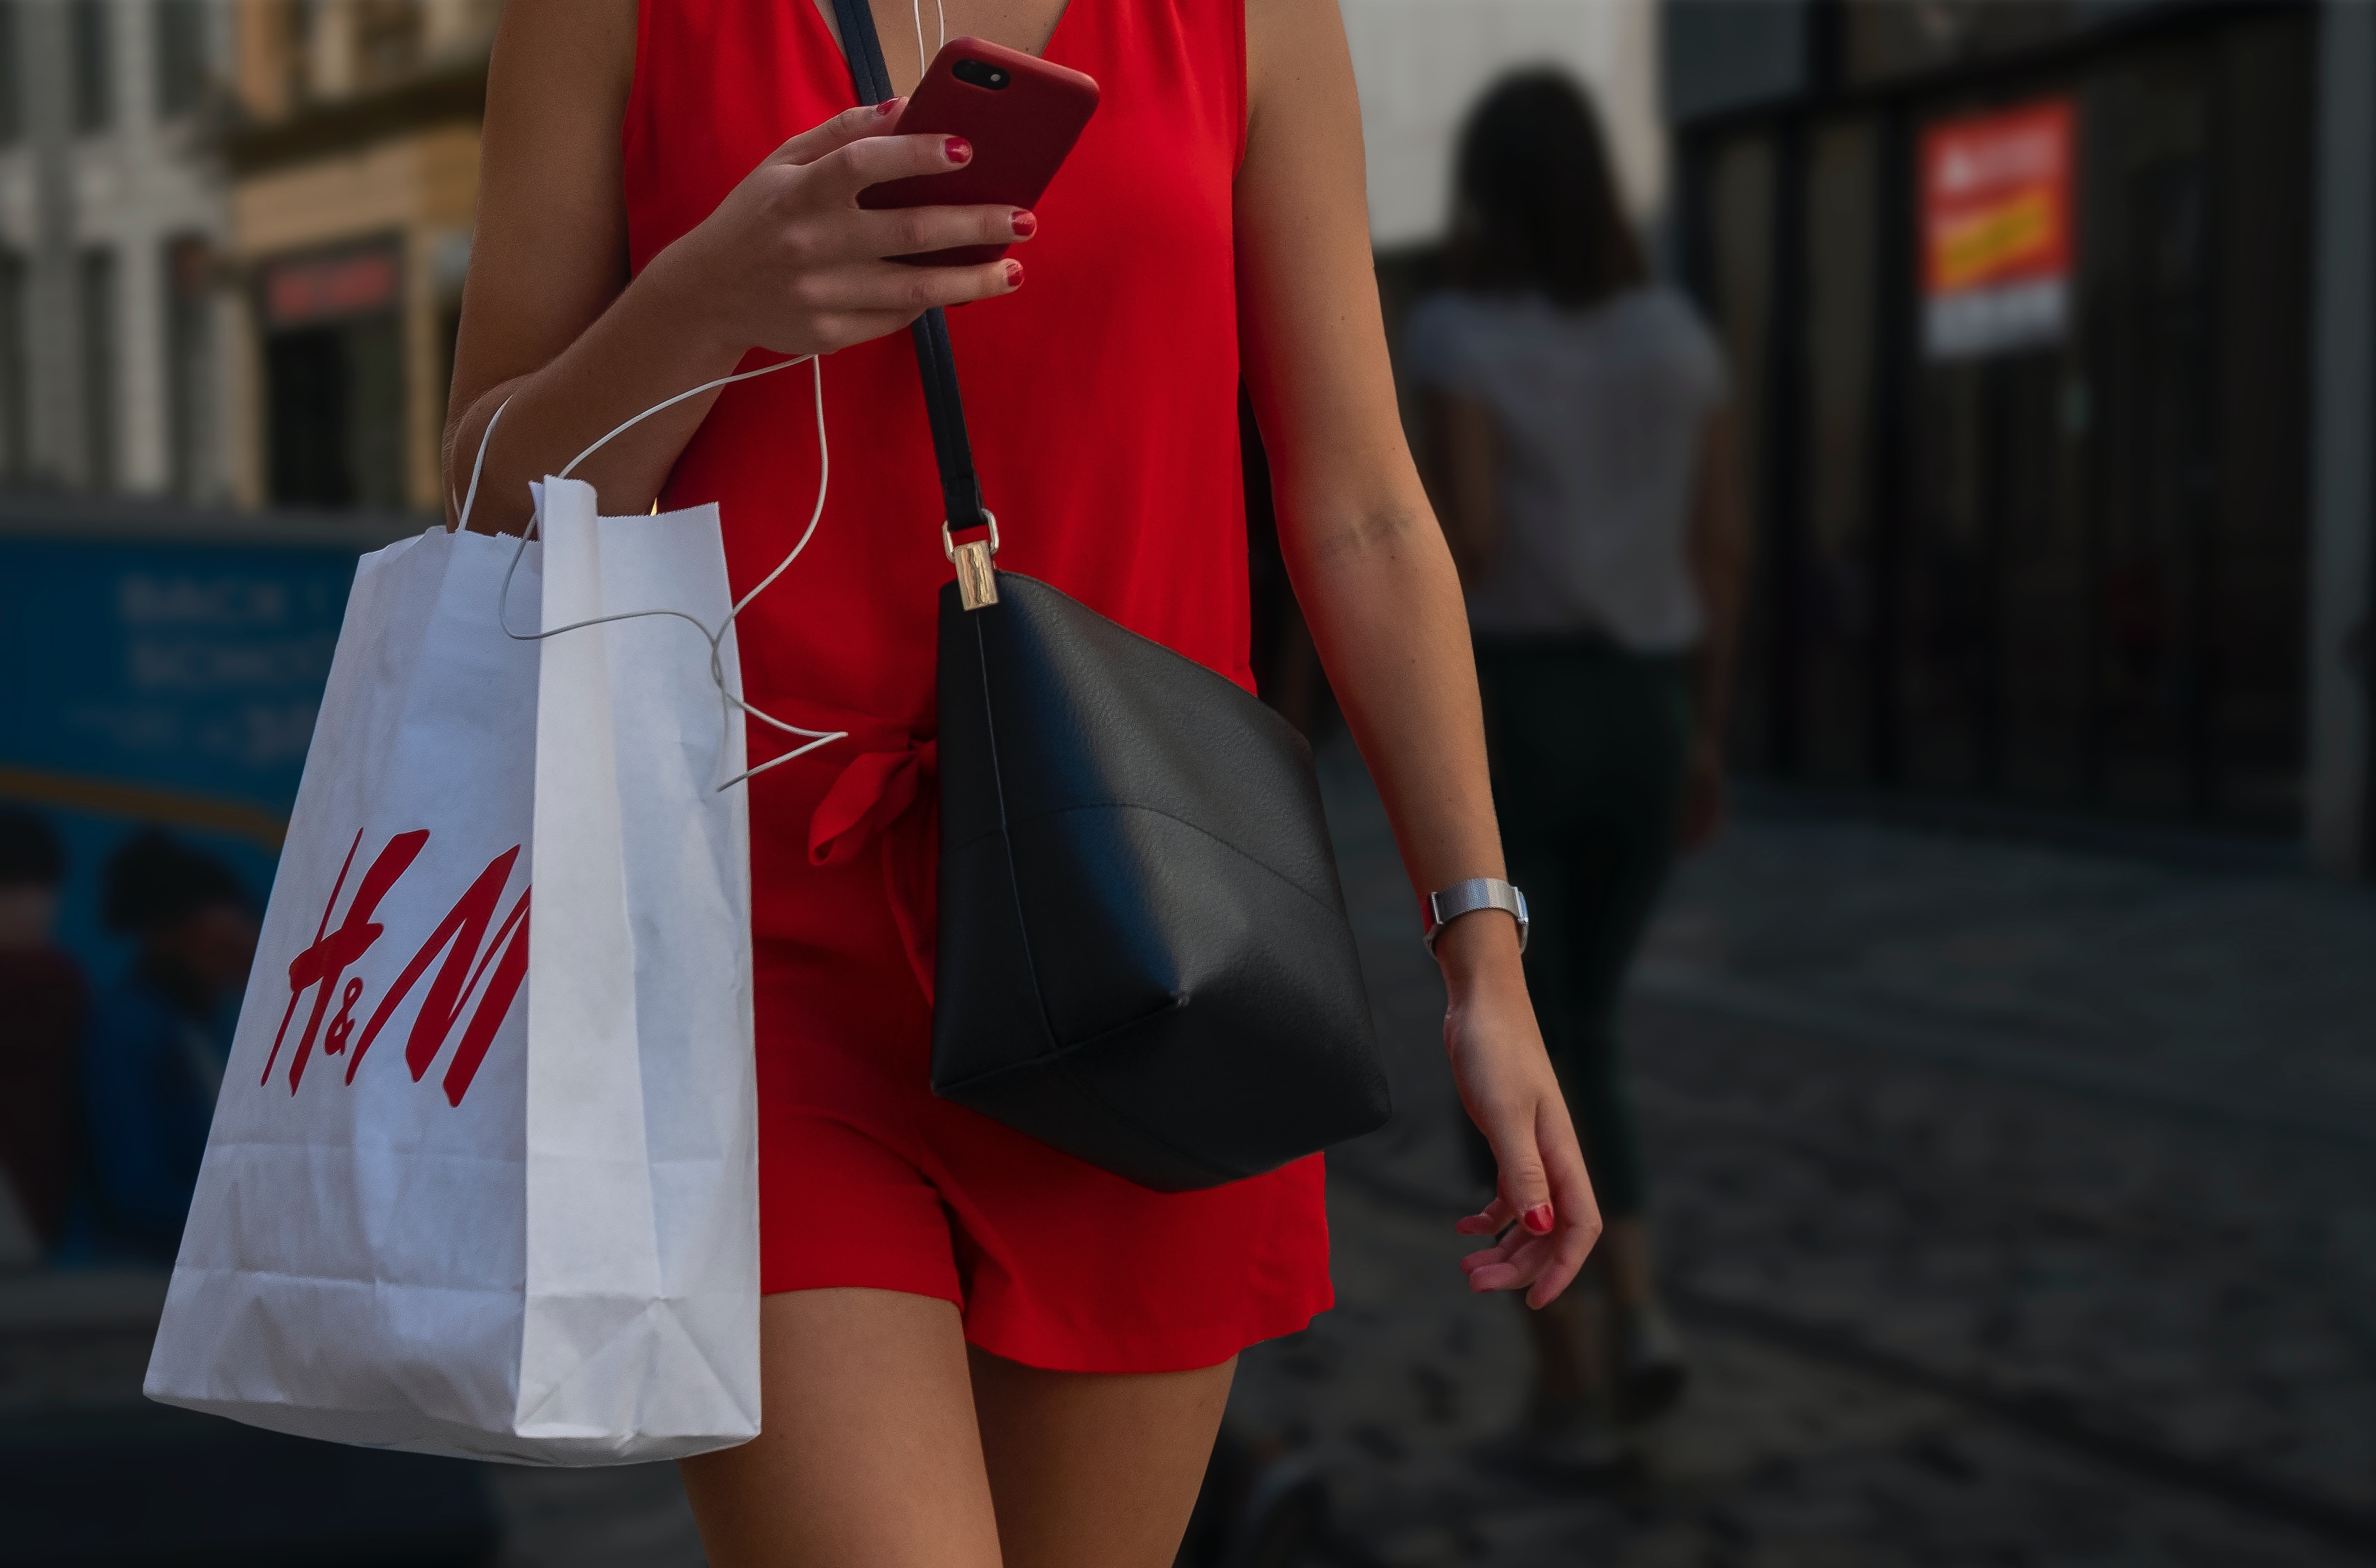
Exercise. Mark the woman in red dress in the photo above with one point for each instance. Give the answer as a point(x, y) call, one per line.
point(976, 1350)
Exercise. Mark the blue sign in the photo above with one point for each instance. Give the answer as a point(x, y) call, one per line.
point(169, 682)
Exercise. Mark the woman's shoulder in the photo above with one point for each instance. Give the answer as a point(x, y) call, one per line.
point(545, 47)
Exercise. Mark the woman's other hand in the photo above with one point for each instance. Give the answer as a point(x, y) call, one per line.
point(791, 263)
point(1543, 1213)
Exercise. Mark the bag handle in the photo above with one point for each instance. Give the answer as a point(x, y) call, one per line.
point(960, 489)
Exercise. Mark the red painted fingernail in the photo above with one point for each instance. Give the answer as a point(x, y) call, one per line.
point(889, 106)
point(1025, 225)
point(1537, 1220)
point(1014, 275)
point(958, 149)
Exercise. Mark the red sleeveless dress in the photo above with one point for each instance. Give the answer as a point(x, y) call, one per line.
point(1102, 402)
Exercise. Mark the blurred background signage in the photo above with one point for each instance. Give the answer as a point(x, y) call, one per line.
point(163, 672)
point(303, 290)
point(1996, 231)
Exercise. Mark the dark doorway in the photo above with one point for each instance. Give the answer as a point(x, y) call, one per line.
point(307, 371)
point(334, 403)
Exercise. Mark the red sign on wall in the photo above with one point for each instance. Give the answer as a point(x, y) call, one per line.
point(1997, 246)
point(298, 293)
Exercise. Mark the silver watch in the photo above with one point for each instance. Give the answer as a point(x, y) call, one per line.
point(1439, 909)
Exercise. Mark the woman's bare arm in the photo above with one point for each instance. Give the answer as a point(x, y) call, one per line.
point(1378, 586)
point(551, 323)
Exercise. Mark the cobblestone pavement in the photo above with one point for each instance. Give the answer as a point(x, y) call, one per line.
point(2250, 998)
point(2019, 1204)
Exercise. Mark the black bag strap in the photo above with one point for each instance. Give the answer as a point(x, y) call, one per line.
point(960, 490)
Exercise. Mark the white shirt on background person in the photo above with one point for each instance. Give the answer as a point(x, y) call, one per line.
point(1600, 412)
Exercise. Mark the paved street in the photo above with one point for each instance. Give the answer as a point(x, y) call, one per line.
point(2020, 1204)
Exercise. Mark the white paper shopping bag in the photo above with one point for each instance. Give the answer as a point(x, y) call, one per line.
point(482, 1178)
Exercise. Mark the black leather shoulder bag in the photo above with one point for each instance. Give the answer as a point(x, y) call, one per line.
point(1144, 958)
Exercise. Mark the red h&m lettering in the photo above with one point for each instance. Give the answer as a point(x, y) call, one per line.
point(464, 927)
point(326, 960)
point(463, 930)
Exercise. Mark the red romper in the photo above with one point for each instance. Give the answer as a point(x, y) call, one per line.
point(1102, 403)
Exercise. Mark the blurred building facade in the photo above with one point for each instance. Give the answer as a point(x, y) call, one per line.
point(353, 169)
point(2053, 324)
point(114, 216)
point(231, 242)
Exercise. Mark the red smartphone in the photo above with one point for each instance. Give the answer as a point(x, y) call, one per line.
point(1022, 115)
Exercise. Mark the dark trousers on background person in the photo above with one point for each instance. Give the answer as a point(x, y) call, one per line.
point(1589, 745)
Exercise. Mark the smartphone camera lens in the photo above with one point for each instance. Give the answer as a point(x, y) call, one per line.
point(982, 73)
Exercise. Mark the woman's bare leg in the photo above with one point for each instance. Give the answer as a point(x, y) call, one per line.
point(1092, 1471)
point(868, 1456)
point(1625, 1254)
point(1568, 1351)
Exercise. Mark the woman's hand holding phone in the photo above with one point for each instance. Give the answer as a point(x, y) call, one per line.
point(1023, 112)
point(789, 261)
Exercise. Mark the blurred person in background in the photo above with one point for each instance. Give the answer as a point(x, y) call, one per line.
point(43, 1002)
point(152, 1061)
point(1578, 454)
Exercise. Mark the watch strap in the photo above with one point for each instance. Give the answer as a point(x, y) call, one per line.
point(1439, 909)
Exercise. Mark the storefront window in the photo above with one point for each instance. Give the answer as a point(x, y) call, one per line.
point(2055, 555)
point(97, 317)
point(1836, 564)
point(190, 392)
point(334, 379)
point(1885, 39)
point(1735, 222)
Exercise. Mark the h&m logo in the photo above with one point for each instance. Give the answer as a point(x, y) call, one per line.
point(461, 936)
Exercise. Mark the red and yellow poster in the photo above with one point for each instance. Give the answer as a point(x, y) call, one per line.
point(1996, 229)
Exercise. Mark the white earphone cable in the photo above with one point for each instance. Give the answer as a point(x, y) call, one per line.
point(730, 702)
point(940, 23)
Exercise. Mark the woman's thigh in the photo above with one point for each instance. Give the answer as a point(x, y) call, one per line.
point(868, 1455)
point(1096, 1470)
